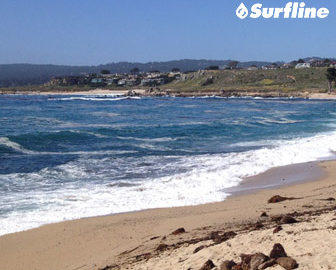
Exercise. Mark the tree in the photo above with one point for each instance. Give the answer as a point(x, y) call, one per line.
point(233, 64)
point(326, 62)
point(301, 61)
point(293, 63)
point(135, 70)
point(175, 69)
point(105, 71)
point(331, 76)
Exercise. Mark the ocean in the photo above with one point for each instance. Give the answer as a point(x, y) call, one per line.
point(68, 157)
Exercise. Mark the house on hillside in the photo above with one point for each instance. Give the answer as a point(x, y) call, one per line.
point(95, 82)
point(332, 64)
point(302, 65)
point(253, 67)
point(286, 66)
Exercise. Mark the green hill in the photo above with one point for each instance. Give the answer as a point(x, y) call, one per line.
point(285, 81)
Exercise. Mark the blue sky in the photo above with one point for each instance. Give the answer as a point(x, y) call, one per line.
point(90, 32)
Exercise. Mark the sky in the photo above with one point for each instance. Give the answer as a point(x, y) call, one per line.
point(91, 32)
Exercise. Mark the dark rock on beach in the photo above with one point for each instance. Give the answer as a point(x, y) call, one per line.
point(256, 260)
point(267, 264)
point(199, 249)
point(278, 198)
point(178, 231)
point(278, 251)
point(208, 265)
point(227, 265)
point(277, 229)
point(263, 214)
point(287, 262)
point(260, 261)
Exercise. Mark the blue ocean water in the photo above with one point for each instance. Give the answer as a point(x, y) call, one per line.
point(67, 157)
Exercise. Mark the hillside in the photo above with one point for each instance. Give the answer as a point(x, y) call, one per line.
point(285, 81)
point(29, 74)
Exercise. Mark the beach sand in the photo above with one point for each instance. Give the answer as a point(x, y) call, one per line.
point(143, 240)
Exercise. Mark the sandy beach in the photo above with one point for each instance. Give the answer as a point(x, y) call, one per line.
point(143, 240)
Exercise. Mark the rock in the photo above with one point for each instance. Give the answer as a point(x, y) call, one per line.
point(263, 214)
point(277, 198)
point(178, 231)
point(199, 249)
point(208, 265)
point(267, 264)
point(278, 251)
point(288, 219)
point(277, 229)
point(162, 247)
point(287, 262)
point(245, 258)
point(256, 260)
point(227, 265)
point(331, 199)
point(131, 93)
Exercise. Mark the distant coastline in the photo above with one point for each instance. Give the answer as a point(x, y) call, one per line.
point(300, 83)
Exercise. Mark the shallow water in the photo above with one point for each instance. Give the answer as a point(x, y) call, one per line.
point(67, 157)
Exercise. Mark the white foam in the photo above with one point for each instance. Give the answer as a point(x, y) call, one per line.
point(94, 98)
point(13, 145)
point(203, 181)
point(162, 139)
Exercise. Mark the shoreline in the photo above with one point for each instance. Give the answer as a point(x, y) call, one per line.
point(99, 241)
point(168, 92)
point(273, 178)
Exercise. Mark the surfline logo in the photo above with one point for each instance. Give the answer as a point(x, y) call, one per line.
point(292, 10)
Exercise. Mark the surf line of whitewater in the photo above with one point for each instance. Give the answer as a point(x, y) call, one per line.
point(94, 98)
point(205, 184)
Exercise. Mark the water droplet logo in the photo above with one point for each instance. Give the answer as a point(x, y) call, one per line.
point(242, 11)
